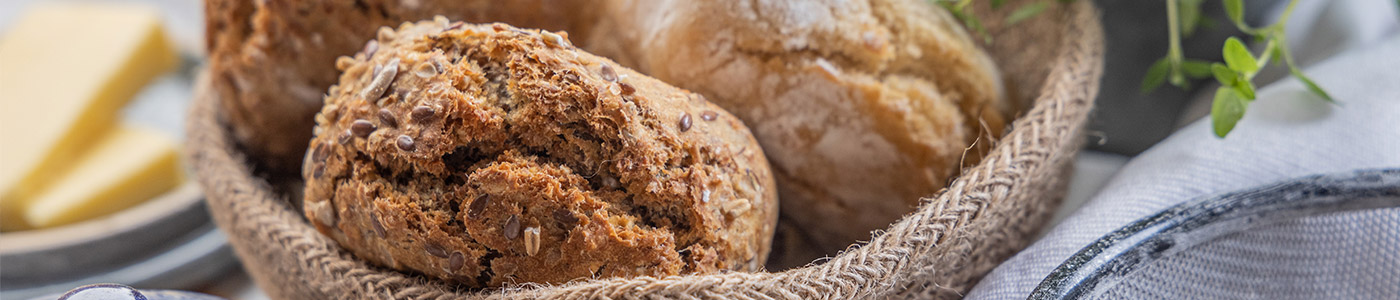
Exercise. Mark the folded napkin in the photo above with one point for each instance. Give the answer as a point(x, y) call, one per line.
point(1285, 135)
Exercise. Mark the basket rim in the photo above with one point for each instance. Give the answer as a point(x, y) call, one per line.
point(899, 260)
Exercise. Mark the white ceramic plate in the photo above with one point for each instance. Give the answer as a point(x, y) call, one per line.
point(168, 242)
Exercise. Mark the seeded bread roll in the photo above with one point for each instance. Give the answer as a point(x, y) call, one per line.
point(271, 61)
point(491, 155)
point(863, 106)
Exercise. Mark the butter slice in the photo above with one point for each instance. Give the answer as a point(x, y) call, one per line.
point(66, 70)
point(124, 169)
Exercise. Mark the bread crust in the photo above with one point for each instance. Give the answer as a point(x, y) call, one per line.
point(491, 155)
point(864, 106)
point(271, 61)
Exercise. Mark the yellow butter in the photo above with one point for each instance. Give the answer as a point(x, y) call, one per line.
point(66, 70)
point(125, 168)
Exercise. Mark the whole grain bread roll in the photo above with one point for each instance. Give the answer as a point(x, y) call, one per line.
point(492, 155)
point(863, 106)
point(271, 61)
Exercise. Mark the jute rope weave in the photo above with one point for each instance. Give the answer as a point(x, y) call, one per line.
point(939, 251)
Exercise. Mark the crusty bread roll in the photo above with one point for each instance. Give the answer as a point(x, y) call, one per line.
point(862, 106)
point(490, 155)
point(271, 61)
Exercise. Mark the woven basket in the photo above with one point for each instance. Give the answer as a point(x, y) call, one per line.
point(1053, 61)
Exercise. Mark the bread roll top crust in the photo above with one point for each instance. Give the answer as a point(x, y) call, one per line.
point(491, 155)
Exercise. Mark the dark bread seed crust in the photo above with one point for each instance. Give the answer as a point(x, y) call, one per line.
point(522, 159)
point(270, 61)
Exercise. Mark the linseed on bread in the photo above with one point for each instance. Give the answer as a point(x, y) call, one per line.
point(271, 61)
point(489, 155)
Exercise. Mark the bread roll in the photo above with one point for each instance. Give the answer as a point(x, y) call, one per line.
point(490, 155)
point(862, 106)
point(271, 61)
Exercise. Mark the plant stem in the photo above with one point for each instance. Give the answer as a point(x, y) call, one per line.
point(1283, 51)
point(1174, 55)
point(1263, 58)
point(1279, 33)
point(1280, 36)
point(1287, 12)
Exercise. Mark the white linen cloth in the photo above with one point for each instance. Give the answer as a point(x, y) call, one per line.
point(1286, 133)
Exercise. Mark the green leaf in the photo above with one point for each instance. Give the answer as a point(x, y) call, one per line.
point(1196, 68)
point(1246, 89)
point(1026, 12)
point(1190, 16)
point(1224, 74)
point(1155, 76)
point(997, 3)
point(1208, 23)
point(1238, 57)
point(1226, 111)
point(1312, 86)
point(1235, 10)
point(1277, 56)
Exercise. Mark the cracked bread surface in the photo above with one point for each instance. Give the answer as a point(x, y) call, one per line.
point(272, 61)
point(864, 106)
point(491, 155)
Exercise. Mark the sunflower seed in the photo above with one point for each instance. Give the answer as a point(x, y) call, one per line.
point(371, 47)
point(553, 39)
point(532, 241)
point(382, 79)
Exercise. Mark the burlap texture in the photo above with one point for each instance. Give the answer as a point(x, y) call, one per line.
point(990, 211)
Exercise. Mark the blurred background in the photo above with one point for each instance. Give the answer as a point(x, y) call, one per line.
point(178, 248)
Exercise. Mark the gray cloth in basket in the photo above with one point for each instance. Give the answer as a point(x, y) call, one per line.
point(1350, 252)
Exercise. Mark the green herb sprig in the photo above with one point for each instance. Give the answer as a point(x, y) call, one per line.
point(1237, 73)
point(961, 9)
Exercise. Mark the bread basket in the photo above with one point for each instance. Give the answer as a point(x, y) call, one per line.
point(1052, 61)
